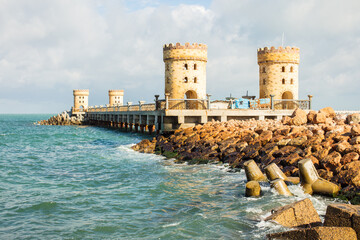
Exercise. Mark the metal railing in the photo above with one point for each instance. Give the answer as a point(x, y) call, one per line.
point(290, 104)
point(183, 104)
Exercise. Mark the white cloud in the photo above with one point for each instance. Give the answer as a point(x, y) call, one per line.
point(56, 46)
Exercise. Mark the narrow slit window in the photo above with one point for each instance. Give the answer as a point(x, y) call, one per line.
point(291, 69)
point(283, 81)
point(186, 66)
point(264, 81)
point(292, 81)
point(168, 80)
point(195, 79)
point(195, 66)
point(167, 67)
point(283, 69)
point(185, 80)
point(264, 70)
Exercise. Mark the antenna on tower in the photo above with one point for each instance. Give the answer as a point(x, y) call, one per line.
point(282, 40)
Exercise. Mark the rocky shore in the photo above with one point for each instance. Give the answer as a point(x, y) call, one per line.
point(331, 141)
point(65, 118)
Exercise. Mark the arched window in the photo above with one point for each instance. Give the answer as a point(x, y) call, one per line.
point(283, 81)
point(186, 66)
point(292, 81)
point(291, 69)
point(195, 79)
point(264, 70)
point(264, 81)
point(283, 69)
point(185, 79)
point(195, 66)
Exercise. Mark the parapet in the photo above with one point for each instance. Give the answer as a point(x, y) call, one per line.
point(281, 55)
point(195, 51)
point(116, 92)
point(81, 92)
point(186, 46)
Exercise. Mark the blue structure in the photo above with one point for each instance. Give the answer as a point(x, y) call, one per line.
point(243, 103)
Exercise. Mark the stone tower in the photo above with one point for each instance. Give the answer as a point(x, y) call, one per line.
point(81, 100)
point(116, 97)
point(185, 70)
point(278, 72)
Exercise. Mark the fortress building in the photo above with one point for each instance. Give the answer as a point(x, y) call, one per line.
point(278, 72)
point(116, 97)
point(81, 100)
point(185, 70)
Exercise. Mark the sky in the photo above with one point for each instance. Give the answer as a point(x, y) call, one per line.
point(49, 48)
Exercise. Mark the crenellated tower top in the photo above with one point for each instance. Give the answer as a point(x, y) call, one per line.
point(81, 92)
point(278, 55)
point(188, 51)
point(116, 92)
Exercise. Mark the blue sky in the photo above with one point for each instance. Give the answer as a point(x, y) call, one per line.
point(49, 48)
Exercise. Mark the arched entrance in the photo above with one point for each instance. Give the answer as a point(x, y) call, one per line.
point(287, 104)
point(190, 104)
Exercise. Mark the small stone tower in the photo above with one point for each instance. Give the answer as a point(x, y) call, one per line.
point(278, 72)
point(116, 97)
point(185, 70)
point(81, 100)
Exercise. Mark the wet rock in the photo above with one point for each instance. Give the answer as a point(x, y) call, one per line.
point(298, 214)
point(316, 233)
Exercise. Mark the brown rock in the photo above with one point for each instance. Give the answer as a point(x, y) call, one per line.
point(265, 137)
point(327, 175)
point(319, 118)
point(355, 140)
point(350, 174)
point(299, 117)
point(331, 161)
point(311, 116)
point(342, 147)
point(328, 111)
point(353, 118)
point(355, 130)
point(298, 214)
point(349, 157)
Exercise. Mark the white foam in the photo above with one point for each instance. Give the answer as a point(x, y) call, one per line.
point(171, 224)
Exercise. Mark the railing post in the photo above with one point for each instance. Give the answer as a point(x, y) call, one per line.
point(167, 100)
point(310, 99)
point(140, 104)
point(128, 105)
point(157, 102)
point(208, 101)
point(231, 104)
point(272, 101)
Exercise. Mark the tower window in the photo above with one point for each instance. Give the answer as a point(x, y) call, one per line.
point(168, 80)
point(283, 69)
point(264, 81)
point(186, 66)
point(292, 81)
point(264, 70)
point(79, 101)
point(291, 69)
point(185, 79)
point(283, 81)
point(195, 79)
point(167, 67)
point(195, 66)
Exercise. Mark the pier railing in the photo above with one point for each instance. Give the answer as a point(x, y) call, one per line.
point(290, 104)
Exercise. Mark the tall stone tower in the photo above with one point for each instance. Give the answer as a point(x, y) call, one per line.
point(185, 70)
point(116, 97)
point(81, 100)
point(278, 72)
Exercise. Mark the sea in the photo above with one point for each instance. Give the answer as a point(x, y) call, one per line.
point(80, 182)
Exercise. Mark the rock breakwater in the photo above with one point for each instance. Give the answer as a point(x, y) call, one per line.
point(331, 141)
point(64, 119)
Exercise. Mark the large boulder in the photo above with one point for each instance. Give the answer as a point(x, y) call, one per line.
point(316, 233)
point(299, 117)
point(350, 174)
point(297, 214)
point(319, 118)
point(353, 118)
point(343, 215)
point(328, 111)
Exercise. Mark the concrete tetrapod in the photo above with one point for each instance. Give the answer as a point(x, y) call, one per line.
point(274, 172)
point(311, 181)
point(280, 186)
point(253, 189)
point(253, 172)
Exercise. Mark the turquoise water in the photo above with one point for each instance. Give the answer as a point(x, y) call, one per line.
point(70, 182)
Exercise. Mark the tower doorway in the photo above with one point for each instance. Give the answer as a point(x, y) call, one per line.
point(191, 104)
point(287, 103)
